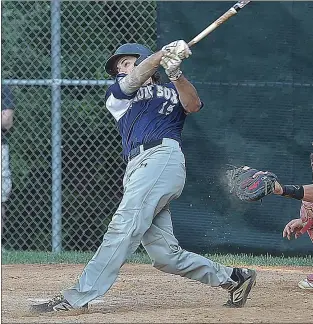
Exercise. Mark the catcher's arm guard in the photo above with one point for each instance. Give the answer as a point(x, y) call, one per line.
point(250, 184)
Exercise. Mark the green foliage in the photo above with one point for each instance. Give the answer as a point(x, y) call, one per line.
point(102, 26)
point(260, 260)
point(92, 168)
point(26, 39)
point(90, 33)
point(27, 224)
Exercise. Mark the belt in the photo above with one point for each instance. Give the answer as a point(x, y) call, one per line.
point(141, 148)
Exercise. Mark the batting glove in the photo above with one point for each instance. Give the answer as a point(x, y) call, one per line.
point(171, 64)
point(179, 48)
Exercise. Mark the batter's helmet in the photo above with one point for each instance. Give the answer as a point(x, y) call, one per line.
point(131, 49)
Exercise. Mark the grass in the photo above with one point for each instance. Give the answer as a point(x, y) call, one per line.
point(261, 260)
point(30, 257)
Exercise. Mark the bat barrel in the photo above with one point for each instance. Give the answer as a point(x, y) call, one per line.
point(229, 13)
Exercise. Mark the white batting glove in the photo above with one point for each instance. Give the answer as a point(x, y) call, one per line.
point(171, 64)
point(180, 48)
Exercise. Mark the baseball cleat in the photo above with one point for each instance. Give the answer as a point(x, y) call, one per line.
point(239, 294)
point(306, 283)
point(56, 304)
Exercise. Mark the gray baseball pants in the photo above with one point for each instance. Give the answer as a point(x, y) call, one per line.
point(152, 179)
point(6, 185)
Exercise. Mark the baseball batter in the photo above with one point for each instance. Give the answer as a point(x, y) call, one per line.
point(150, 117)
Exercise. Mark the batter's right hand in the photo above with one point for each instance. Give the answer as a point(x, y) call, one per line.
point(179, 48)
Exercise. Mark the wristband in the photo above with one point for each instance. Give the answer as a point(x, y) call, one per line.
point(174, 75)
point(293, 191)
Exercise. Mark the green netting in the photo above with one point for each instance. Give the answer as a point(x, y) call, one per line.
point(255, 76)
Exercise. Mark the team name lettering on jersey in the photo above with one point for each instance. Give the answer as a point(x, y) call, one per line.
point(141, 116)
point(167, 93)
point(146, 93)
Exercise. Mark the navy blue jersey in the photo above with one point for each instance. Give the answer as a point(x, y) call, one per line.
point(151, 113)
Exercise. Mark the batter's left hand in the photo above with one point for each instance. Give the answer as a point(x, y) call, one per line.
point(171, 63)
point(179, 48)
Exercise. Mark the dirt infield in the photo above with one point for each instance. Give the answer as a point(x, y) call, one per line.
point(144, 295)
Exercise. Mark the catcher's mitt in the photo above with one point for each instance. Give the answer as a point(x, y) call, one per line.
point(247, 188)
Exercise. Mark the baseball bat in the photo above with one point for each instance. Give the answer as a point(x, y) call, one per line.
point(229, 13)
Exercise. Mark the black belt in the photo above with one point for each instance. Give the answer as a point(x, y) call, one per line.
point(136, 151)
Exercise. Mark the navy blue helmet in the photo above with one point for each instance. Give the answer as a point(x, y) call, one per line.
point(132, 49)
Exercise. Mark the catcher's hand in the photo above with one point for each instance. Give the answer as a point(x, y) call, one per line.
point(293, 227)
point(301, 225)
point(250, 184)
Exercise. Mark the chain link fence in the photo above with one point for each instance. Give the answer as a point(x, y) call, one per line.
point(64, 147)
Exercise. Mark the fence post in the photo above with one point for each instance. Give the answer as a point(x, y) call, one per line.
point(56, 139)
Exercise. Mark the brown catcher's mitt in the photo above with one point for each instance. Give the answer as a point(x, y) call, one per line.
point(248, 188)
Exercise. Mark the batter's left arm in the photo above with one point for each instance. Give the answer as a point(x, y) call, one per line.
point(188, 95)
point(141, 73)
